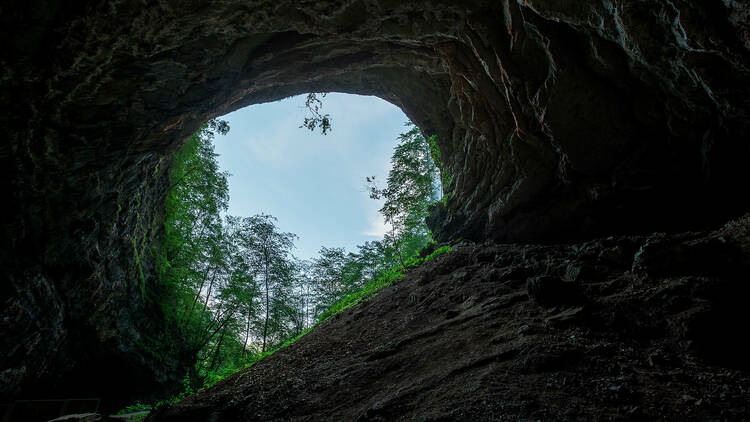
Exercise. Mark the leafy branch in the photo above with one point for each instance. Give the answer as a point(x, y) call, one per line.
point(318, 120)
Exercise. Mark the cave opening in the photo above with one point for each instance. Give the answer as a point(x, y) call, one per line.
point(315, 184)
point(302, 240)
point(557, 121)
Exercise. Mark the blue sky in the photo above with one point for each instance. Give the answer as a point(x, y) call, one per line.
point(313, 184)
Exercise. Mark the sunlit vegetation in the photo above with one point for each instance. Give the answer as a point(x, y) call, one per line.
point(371, 287)
point(231, 284)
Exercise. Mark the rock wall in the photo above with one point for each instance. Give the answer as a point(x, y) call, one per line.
point(555, 120)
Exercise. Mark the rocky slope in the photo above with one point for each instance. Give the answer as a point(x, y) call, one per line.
point(615, 329)
point(556, 120)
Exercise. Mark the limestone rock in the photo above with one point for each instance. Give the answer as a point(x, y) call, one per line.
point(555, 120)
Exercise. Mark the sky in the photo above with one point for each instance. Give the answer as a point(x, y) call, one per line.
point(313, 184)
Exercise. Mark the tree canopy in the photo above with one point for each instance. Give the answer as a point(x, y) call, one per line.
point(412, 185)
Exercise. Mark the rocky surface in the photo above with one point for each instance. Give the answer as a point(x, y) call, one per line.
point(555, 120)
point(653, 330)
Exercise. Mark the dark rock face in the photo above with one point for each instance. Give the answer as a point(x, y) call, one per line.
point(555, 119)
point(548, 291)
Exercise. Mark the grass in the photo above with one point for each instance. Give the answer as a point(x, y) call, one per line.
point(369, 289)
point(373, 286)
point(133, 408)
point(138, 407)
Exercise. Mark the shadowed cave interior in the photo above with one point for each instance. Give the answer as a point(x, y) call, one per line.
point(559, 122)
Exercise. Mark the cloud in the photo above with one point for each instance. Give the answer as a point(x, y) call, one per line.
point(274, 138)
point(378, 227)
point(316, 182)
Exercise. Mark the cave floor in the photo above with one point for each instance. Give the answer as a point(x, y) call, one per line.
point(622, 328)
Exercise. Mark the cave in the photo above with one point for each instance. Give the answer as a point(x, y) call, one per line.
point(558, 121)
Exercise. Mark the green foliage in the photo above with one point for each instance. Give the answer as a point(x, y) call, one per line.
point(192, 263)
point(410, 184)
point(265, 255)
point(371, 288)
point(316, 120)
point(411, 187)
point(417, 261)
point(232, 288)
point(368, 290)
point(445, 178)
point(336, 273)
point(253, 359)
point(136, 407)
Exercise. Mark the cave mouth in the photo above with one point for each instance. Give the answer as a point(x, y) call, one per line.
point(229, 275)
point(556, 121)
point(313, 183)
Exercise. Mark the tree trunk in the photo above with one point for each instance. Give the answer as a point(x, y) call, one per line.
point(198, 295)
point(247, 333)
point(210, 286)
point(306, 299)
point(398, 250)
point(216, 351)
point(268, 301)
point(211, 331)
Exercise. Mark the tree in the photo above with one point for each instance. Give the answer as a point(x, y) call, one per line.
point(266, 252)
point(243, 288)
point(336, 273)
point(375, 257)
point(194, 245)
point(412, 185)
point(193, 265)
point(301, 298)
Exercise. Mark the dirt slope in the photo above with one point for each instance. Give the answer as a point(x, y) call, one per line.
point(620, 328)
